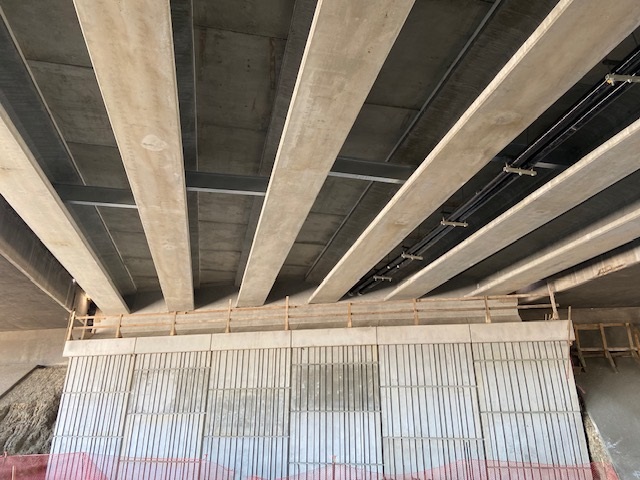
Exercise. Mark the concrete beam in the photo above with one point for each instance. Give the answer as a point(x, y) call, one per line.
point(20, 247)
point(574, 37)
point(26, 188)
point(346, 47)
point(612, 232)
point(598, 267)
point(131, 48)
point(603, 167)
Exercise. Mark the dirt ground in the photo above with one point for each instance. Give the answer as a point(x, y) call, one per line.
point(28, 412)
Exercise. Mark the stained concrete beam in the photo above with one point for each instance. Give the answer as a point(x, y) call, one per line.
point(346, 47)
point(597, 268)
point(573, 38)
point(26, 188)
point(603, 167)
point(611, 232)
point(131, 48)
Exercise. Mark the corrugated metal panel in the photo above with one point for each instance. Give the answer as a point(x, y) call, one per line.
point(165, 416)
point(247, 426)
point(430, 417)
point(92, 412)
point(529, 407)
point(335, 411)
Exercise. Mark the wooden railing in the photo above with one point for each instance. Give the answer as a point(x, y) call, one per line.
point(288, 316)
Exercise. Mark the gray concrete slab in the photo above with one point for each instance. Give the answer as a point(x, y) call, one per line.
point(216, 277)
point(220, 260)
point(248, 16)
point(318, 228)
point(236, 77)
point(497, 116)
point(611, 401)
point(409, 75)
point(224, 149)
point(74, 98)
point(99, 166)
point(376, 131)
point(55, 37)
point(332, 85)
point(133, 72)
point(303, 254)
point(221, 236)
point(602, 168)
point(222, 208)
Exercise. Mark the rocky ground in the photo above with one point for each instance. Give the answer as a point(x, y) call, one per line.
point(28, 412)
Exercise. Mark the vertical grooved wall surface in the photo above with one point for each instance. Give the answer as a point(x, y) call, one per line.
point(460, 410)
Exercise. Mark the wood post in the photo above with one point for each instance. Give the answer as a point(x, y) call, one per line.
point(119, 329)
point(286, 313)
point(487, 312)
point(173, 331)
point(228, 328)
point(72, 319)
point(552, 298)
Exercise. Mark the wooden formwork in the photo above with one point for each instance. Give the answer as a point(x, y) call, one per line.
point(626, 330)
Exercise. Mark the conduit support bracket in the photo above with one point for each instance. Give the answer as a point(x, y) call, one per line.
point(519, 171)
point(612, 78)
point(382, 278)
point(408, 256)
point(448, 223)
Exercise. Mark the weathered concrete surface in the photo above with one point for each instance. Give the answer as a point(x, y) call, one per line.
point(24, 185)
point(343, 56)
point(611, 401)
point(536, 76)
point(596, 269)
point(613, 231)
point(609, 163)
point(21, 352)
point(131, 48)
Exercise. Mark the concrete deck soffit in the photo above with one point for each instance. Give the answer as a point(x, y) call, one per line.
point(574, 37)
point(600, 169)
point(612, 232)
point(344, 53)
point(27, 189)
point(131, 48)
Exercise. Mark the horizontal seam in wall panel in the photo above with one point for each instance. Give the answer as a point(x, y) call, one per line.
point(490, 360)
point(213, 389)
point(96, 392)
point(340, 464)
point(248, 437)
point(355, 364)
point(155, 414)
point(526, 412)
point(452, 439)
point(335, 411)
point(469, 387)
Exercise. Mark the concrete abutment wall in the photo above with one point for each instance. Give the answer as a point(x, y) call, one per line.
point(462, 401)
